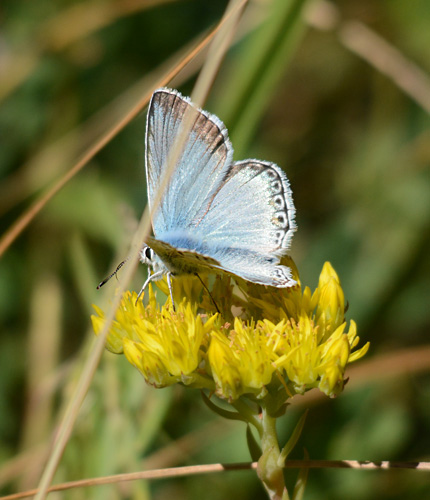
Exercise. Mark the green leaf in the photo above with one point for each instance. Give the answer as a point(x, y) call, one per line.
point(291, 443)
point(230, 415)
point(253, 447)
point(262, 61)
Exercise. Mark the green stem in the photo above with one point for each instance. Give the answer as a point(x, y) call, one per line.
point(268, 470)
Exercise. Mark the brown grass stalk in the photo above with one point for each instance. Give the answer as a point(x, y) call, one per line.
point(194, 470)
point(24, 220)
point(374, 49)
point(91, 364)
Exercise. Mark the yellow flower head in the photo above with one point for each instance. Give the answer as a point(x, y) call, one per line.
point(266, 341)
point(241, 360)
point(165, 346)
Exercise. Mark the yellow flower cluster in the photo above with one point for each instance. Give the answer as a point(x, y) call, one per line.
point(266, 342)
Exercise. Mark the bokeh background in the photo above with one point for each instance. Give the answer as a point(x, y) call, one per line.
point(338, 95)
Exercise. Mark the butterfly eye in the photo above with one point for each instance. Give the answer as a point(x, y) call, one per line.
point(148, 253)
point(147, 256)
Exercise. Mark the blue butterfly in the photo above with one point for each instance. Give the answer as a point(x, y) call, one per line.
point(216, 214)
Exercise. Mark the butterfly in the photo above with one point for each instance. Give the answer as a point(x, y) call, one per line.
point(215, 214)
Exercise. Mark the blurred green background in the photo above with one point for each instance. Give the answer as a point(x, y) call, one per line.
point(292, 90)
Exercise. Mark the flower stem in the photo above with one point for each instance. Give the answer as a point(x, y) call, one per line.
point(268, 470)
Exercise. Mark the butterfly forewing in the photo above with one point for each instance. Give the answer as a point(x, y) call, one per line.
point(202, 164)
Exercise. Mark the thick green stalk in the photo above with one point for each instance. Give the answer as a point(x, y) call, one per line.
point(268, 469)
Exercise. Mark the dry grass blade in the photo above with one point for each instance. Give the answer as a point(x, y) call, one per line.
point(58, 33)
point(193, 470)
point(24, 220)
point(143, 229)
point(32, 176)
point(24, 461)
point(388, 60)
point(376, 51)
point(217, 50)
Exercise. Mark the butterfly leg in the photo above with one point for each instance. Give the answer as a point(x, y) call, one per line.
point(169, 283)
point(209, 293)
point(151, 277)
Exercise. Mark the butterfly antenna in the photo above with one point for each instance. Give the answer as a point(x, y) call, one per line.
point(209, 293)
point(111, 275)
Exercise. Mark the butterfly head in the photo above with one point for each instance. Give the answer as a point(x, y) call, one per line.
point(147, 256)
point(151, 259)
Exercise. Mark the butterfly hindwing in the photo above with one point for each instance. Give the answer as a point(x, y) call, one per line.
point(249, 222)
point(253, 209)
